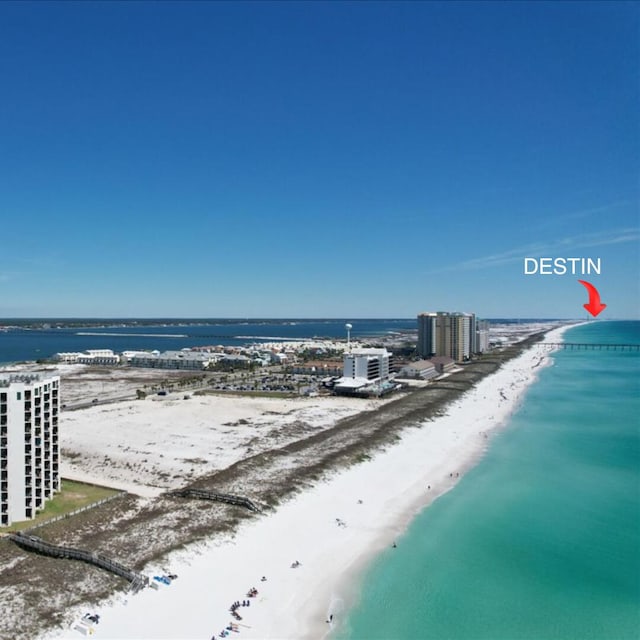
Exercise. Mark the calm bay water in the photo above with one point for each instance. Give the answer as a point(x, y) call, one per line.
point(21, 344)
point(33, 344)
point(541, 540)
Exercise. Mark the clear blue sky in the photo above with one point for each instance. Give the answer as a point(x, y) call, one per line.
point(310, 159)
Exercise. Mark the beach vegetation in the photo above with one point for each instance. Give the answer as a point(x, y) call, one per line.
point(362, 457)
point(73, 495)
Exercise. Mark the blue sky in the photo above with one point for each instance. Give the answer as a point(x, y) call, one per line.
point(316, 159)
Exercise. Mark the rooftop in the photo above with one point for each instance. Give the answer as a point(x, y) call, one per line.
point(7, 380)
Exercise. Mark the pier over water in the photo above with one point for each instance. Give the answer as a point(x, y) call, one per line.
point(589, 346)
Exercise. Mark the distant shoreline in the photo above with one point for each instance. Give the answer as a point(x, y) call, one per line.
point(73, 323)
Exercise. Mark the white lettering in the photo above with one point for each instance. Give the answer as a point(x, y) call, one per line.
point(530, 261)
point(545, 266)
point(562, 266)
point(573, 264)
point(593, 265)
point(559, 267)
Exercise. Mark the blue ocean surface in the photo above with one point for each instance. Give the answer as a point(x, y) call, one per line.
point(541, 540)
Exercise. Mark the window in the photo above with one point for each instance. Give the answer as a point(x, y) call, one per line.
point(19, 395)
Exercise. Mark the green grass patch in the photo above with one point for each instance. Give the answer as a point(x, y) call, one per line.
point(72, 496)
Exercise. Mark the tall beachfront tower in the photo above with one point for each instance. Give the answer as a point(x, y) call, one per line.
point(29, 445)
point(446, 334)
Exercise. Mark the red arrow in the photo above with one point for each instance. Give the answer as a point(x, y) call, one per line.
point(595, 306)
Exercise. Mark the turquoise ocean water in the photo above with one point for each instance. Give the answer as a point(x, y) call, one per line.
point(541, 540)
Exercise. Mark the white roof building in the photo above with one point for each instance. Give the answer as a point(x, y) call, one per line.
point(363, 368)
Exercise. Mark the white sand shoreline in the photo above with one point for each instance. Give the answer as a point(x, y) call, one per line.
point(293, 603)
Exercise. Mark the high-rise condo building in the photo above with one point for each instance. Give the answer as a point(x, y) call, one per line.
point(447, 334)
point(29, 446)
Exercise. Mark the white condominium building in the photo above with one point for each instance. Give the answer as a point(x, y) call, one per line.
point(369, 364)
point(29, 446)
point(363, 368)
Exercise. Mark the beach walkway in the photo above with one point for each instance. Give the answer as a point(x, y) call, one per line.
point(203, 494)
point(33, 543)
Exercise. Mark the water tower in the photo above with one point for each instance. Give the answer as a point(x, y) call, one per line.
point(348, 327)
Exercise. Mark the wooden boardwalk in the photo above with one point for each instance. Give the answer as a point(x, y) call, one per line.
point(33, 543)
point(202, 494)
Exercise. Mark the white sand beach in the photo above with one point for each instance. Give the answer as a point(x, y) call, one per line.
point(333, 529)
point(149, 446)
